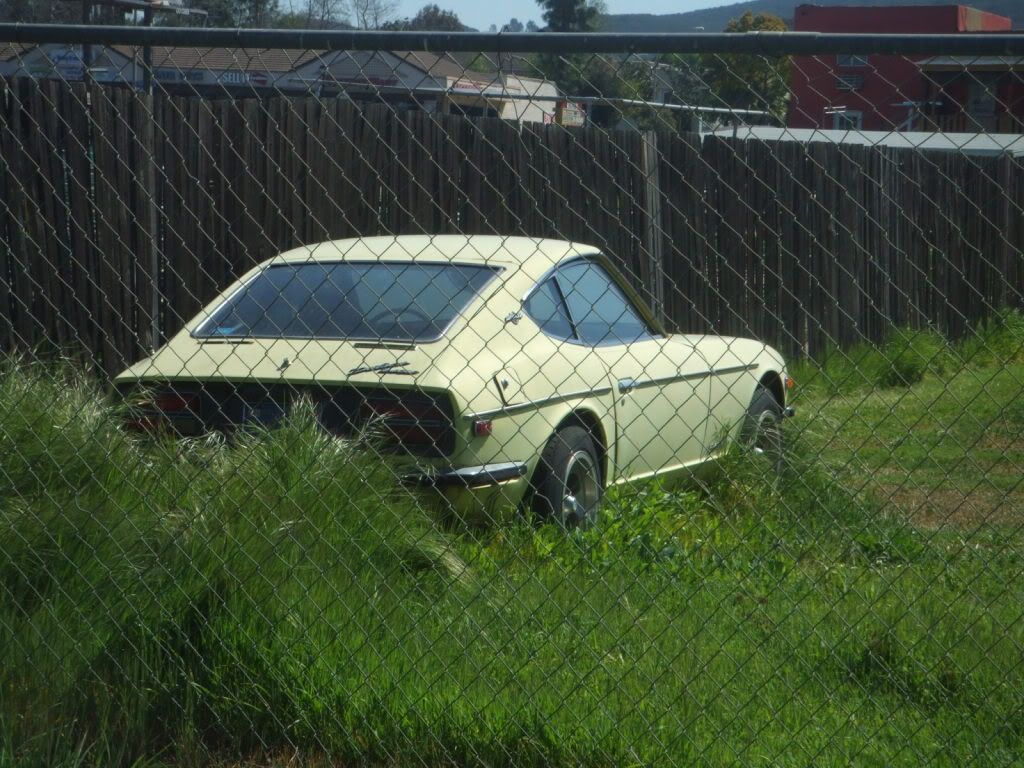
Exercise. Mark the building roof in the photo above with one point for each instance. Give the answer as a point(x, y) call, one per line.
point(440, 64)
point(9, 51)
point(277, 60)
point(967, 143)
point(444, 65)
point(241, 59)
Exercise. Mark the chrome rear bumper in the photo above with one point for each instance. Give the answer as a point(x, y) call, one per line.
point(469, 477)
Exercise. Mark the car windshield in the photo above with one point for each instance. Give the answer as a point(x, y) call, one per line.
point(348, 300)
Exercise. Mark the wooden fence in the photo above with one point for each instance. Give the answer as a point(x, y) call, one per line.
point(122, 214)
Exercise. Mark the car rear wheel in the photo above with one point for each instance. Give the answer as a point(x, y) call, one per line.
point(762, 431)
point(567, 485)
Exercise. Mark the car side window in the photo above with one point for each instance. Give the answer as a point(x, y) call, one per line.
point(547, 309)
point(600, 311)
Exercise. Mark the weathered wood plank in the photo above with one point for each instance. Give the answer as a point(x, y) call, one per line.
point(804, 246)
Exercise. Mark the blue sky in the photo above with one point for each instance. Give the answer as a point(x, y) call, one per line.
point(482, 14)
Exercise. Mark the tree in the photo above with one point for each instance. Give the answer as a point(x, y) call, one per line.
point(45, 11)
point(746, 81)
point(220, 13)
point(514, 25)
point(230, 13)
point(531, 26)
point(315, 14)
point(259, 13)
point(372, 14)
point(571, 15)
point(429, 18)
point(580, 75)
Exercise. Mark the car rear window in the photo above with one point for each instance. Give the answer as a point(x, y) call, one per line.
point(349, 300)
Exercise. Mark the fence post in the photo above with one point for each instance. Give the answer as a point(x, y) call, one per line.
point(652, 224)
point(150, 268)
point(1006, 228)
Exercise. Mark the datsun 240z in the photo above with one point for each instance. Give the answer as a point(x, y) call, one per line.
point(498, 370)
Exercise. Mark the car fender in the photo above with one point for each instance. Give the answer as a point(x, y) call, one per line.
point(520, 433)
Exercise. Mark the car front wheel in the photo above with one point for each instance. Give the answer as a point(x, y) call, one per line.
point(567, 484)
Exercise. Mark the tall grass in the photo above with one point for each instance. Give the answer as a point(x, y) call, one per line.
point(188, 603)
point(908, 355)
point(174, 593)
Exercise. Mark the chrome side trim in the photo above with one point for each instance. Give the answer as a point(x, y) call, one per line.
point(529, 404)
point(695, 376)
point(672, 379)
point(633, 385)
point(735, 369)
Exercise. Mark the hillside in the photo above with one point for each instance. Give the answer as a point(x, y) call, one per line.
point(715, 19)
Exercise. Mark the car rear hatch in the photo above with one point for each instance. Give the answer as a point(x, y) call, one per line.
point(358, 338)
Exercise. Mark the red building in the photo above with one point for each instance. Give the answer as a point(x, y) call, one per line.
point(974, 94)
point(877, 92)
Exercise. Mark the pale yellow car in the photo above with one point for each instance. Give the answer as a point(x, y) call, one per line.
point(501, 371)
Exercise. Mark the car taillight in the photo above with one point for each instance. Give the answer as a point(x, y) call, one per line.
point(174, 402)
point(157, 413)
point(408, 422)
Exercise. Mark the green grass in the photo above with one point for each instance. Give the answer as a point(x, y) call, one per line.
point(955, 432)
point(281, 598)
point(950, 448)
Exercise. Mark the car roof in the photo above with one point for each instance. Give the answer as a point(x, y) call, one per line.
point(533, 254)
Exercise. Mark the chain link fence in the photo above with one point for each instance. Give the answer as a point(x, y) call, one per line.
point(420, 399)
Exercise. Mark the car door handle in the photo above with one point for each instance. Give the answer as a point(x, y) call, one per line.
point(627, 385)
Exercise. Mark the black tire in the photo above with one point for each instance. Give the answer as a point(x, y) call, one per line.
point(567, 484)
point(762, 429)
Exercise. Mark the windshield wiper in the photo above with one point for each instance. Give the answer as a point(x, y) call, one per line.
point(384, 368)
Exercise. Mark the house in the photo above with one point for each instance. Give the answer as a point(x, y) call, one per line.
point(405, 80)
point(64, 62)
point(876, 92)
point(211, 72)
point(428, 81)
point(219, 72)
